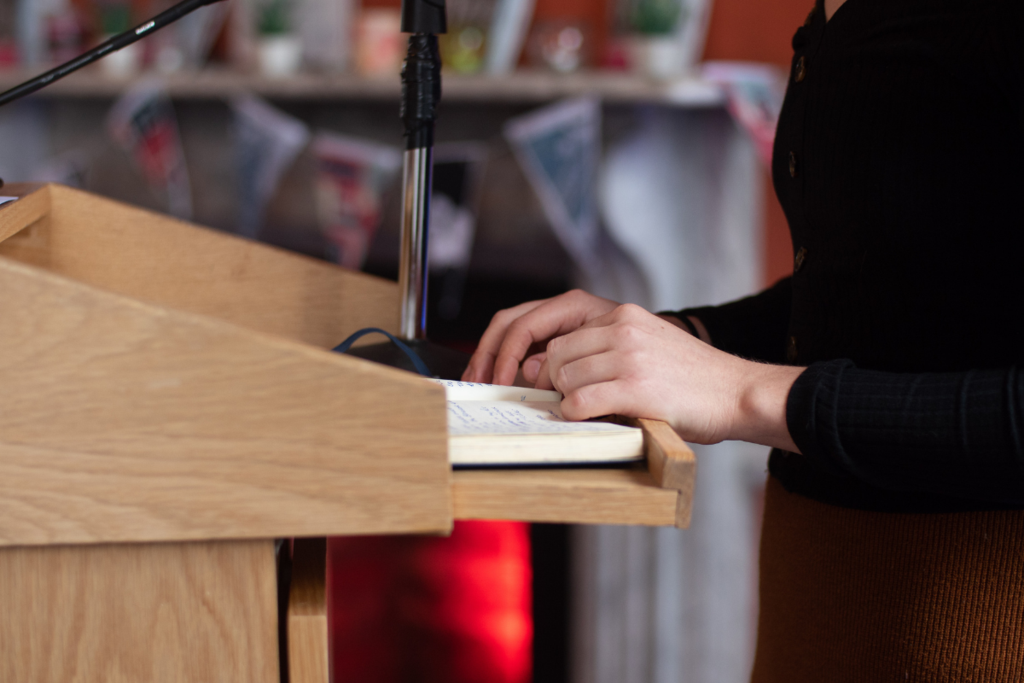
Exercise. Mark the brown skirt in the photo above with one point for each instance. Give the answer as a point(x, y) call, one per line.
point(875, 597)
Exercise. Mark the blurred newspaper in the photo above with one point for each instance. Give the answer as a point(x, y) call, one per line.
point(351, 179)
point(559, 150)
point(267, 142)
point(144, 124)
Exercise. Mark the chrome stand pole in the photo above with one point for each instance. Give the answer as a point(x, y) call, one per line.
point(412, 264)
point(421, 93)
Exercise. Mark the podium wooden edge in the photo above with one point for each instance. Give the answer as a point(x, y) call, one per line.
point(167, 262)
point(32, 205)
point(307, 633)
point(672, 464)
point(660, 494)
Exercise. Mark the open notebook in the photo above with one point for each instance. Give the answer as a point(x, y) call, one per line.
point(493, 425)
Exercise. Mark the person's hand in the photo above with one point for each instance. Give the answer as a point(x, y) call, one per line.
point(515, 332)
point(632, 363)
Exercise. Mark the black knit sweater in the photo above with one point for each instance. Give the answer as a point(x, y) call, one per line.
point(899, 162)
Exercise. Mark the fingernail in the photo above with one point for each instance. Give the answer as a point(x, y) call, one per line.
point(531, 369)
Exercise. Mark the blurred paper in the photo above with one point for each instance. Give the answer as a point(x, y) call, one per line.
point(755, 93)
point(352, 177)
point(559, 150)
point(509, 26)
point(267, 141)
point(144, 124)
point(682, 195)
point(196, 34)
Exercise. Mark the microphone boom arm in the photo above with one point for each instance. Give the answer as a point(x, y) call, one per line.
point(116, 43)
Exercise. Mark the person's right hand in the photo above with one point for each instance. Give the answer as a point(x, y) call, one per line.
point(514, 331)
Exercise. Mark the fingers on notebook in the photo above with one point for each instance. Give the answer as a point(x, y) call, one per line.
point(515, 332)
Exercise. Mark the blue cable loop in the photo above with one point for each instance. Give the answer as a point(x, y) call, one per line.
point(417, 362)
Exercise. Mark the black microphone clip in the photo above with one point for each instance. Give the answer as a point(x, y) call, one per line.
point(424, 16)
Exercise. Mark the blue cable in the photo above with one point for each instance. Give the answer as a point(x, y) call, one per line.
point(417, 362)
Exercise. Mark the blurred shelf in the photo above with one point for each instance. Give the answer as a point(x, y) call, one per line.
point(522, 86)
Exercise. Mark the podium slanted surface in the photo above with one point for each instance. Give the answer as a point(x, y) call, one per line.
point(129, 420)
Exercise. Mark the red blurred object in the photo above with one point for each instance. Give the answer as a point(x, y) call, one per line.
point(452, 610)
point(8, 54)
point(616, 55)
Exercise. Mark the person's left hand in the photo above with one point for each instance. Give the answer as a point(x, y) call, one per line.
point(630, 362)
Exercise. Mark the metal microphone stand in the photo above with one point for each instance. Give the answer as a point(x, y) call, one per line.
point(421, 93)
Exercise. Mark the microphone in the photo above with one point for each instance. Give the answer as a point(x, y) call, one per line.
point(99, 52)
point(421, 93)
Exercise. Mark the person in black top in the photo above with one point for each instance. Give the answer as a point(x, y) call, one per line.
point(883, 372)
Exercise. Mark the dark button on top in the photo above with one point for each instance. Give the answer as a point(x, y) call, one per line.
point(798, 261)
point(800, 70)
point(792, 164)
point(791, 350)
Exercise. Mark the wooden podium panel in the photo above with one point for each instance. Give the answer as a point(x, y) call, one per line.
point(610, 496)
point(120, 422)
point(179, 613)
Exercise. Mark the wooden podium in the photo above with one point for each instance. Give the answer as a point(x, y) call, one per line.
point(168, 407)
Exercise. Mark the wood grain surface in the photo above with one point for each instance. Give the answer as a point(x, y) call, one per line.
point(574, 496)
point(660, 495)
point(174, 613)
point(307, 612)
point(157, 259)
point(124, 422)
point(33, 206)
point(672, 464)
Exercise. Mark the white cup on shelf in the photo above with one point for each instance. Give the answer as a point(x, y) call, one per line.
point(280, 55)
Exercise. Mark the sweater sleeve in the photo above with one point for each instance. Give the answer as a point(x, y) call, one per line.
point(954, 434)
point(754, 327)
